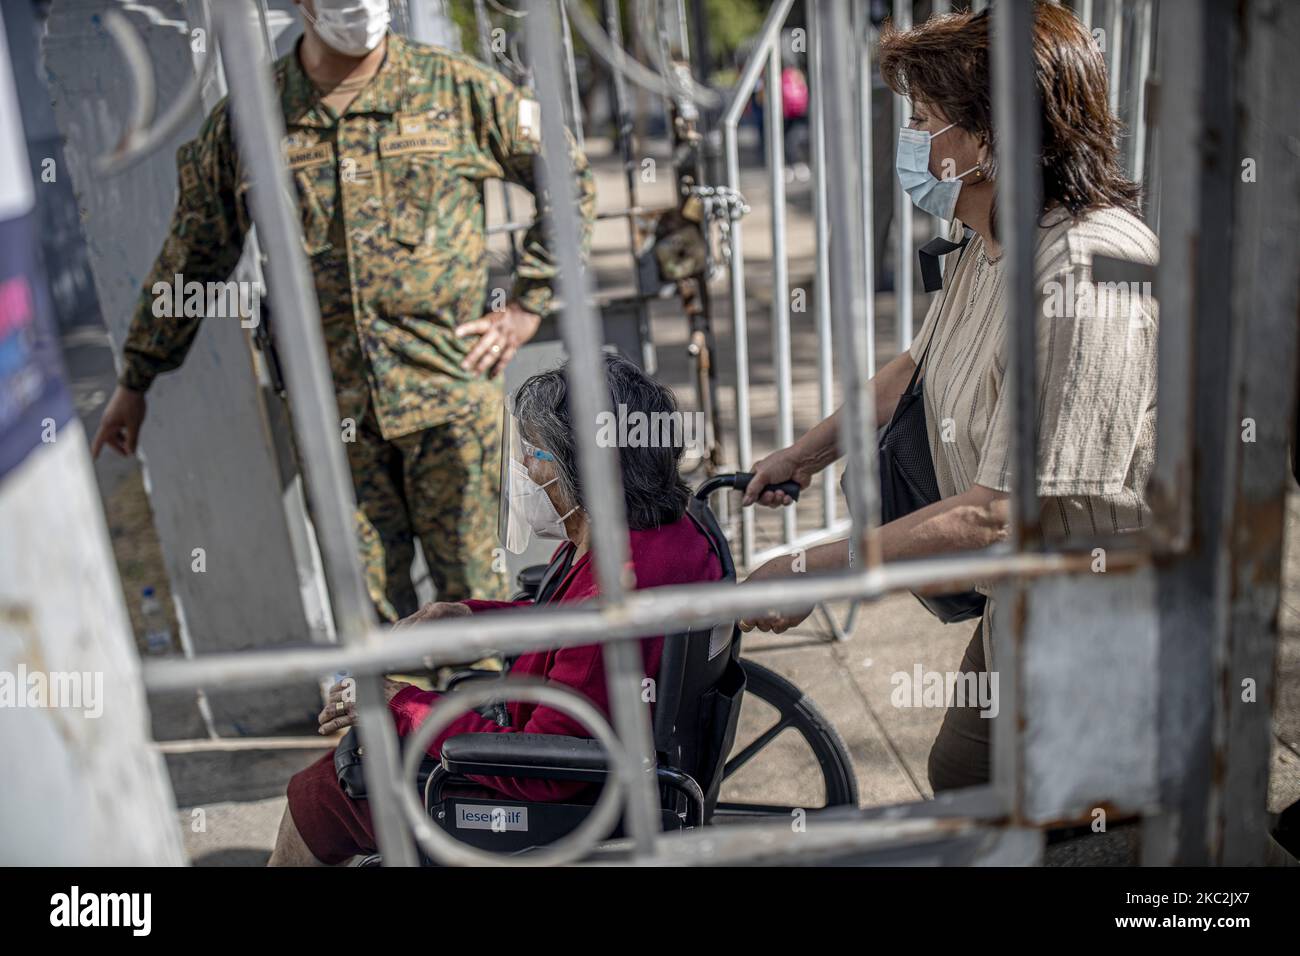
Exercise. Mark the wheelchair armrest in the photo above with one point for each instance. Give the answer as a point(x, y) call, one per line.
point(530, 756)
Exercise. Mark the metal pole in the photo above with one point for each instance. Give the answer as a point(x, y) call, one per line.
point(903, 211)
point(1265, 303)
point(1016, 117)
point(774, 123)
point(571, 74)
point(866, 135)
point(259, 131)
point(822, 267)
point(484, 24)
point(1114, 49)
point(642, 612)
point(598, 466)
point(1138, 121)
point(739, 307)
point(848, 288)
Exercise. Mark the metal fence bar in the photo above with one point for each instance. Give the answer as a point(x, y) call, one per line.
point(1178, 135)
point(1016, 116)
point(260, 131)
point(1114, 50)
point(774, 140)
point(571, 75)
point(866, 135)
point(903, 211)
point(483, 22)
point(1265, 304)
point(1138, 121)
point(808, 539)
point(848, 289)
point(599, 469)
point(821, 226)
point(1198, 156)
point(739, 307)
point(519, 632)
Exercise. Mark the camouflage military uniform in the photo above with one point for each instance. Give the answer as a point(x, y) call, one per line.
point(391, 199)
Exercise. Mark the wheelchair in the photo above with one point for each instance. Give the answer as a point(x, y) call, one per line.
point(702, 682)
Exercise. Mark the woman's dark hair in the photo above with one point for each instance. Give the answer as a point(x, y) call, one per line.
point(944, 62)
point(653, 491)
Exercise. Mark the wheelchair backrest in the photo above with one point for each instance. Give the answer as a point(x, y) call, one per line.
point(700, 684)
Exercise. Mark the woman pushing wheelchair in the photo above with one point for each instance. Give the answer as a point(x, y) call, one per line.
point(1096, 348)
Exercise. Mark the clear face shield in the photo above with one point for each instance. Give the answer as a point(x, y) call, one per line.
point(526, 473)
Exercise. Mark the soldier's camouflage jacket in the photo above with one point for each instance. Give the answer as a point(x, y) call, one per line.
point(391, 199)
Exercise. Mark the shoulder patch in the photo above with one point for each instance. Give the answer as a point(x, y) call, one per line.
point(528, 126)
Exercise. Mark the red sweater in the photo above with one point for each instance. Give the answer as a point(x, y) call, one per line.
point(678, 553)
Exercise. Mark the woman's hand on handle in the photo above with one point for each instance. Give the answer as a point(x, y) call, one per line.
point(780, 466)
point(773, 620)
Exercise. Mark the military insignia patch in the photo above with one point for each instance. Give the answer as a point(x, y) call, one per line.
point(530, 121)
point(409, 124)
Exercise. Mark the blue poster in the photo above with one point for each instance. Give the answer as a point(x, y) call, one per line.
point(34, 402)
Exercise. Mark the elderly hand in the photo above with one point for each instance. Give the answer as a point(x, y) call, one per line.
point(500, 336)
point(341, 705)
point(773, 620)
point(434, 611)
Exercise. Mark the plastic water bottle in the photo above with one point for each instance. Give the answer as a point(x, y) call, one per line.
point(157, 635)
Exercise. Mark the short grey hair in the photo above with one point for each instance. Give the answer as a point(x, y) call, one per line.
point(654, 493)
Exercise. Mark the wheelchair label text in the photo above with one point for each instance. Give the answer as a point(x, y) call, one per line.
point(484, 816)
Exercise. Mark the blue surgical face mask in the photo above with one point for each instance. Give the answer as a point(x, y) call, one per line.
point(935, 196)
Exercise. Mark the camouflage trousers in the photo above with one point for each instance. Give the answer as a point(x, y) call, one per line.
point(442, 486)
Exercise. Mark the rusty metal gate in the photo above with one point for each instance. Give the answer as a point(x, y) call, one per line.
point(1121, 690)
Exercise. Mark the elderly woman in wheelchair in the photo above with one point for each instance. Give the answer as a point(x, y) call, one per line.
point(542, 496)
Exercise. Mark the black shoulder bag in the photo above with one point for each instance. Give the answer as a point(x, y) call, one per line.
point(907, 478)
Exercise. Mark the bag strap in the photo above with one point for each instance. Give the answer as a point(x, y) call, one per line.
point(932, 277)
point(929, 254)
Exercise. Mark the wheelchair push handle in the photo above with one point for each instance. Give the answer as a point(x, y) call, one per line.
point(740, 481)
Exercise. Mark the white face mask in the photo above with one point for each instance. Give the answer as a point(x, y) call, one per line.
point(351, 27)
point(530, 502)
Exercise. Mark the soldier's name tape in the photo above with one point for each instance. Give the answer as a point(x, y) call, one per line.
point(304, 156)
point(430, 142)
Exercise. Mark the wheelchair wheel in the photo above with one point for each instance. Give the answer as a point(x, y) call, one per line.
point(796, 714)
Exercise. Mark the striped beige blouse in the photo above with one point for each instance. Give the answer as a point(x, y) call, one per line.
point(1096, 404)
point(1095, 409)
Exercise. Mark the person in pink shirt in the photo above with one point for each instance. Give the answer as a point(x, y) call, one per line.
point(544, 497)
